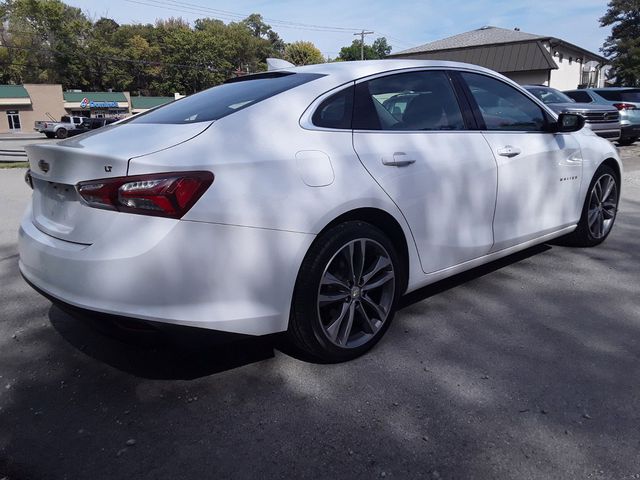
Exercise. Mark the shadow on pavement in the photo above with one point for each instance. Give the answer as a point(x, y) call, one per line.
point(148, 352)
point(155, 351)
point(456, 280)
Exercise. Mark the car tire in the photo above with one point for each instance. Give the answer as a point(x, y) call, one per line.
point(62, 133)
point(598, 215)
point(625, 142)
point(346, 293)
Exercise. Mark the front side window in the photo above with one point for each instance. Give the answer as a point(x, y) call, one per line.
point(503, 107)
point(407, 102)
point(582, 97)
point(225, 99)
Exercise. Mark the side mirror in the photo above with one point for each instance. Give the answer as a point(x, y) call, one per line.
point(568, 122)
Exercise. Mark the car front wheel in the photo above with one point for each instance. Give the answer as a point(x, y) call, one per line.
point(599, 210)
point(346, 292)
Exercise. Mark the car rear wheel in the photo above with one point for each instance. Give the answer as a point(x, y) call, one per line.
point(599, 210)
point(346, 293)
point(62, 133)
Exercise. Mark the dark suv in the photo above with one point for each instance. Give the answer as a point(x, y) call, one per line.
point(626, 100)
point(604, 120)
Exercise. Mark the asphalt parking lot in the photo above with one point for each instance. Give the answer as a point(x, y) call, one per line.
point(524, 369)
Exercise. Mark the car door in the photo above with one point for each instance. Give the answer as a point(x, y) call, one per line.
point(539, 172)
point(442, 176)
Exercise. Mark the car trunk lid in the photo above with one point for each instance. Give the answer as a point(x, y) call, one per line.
point(57, 207)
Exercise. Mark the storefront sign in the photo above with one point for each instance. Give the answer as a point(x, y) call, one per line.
point(86, 103)
point(12, 112)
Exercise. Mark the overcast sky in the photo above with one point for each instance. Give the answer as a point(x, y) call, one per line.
point(330, 24)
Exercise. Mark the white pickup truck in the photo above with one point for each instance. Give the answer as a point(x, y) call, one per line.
point(59, 129)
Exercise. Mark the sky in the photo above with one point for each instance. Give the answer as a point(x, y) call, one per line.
point(330, 24)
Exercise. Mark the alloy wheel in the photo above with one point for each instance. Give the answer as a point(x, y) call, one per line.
point(356, 293)
point(603, 205)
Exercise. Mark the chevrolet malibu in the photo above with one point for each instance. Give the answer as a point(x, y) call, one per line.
point(296, 201)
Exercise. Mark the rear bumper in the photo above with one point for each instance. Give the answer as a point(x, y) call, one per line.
point(220, 277)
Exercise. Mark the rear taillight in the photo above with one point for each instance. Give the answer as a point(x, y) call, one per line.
point(624, 106)
point(162, 194)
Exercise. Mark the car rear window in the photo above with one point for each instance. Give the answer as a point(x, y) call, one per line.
point(620, 95)
point(225, 99)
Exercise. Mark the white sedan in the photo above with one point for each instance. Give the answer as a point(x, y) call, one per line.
point(308, 200)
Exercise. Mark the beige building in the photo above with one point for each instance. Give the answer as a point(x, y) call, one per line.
point(524, 57)
point(22, 105)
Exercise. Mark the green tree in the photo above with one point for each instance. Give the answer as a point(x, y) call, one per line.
point(303, 53)
point(622, 47)
point(379, 49)
point(46, 38)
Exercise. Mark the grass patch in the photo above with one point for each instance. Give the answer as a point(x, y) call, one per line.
point(14, 164)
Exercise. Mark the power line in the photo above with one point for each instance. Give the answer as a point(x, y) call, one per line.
point(184, 7)
point(181, 6)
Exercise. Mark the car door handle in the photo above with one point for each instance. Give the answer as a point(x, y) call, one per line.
point(399, 159)
point(509, 151)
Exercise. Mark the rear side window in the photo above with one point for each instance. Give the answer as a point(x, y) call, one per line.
point(620, 95)
point(503, 107)
point(410, 101)
point(582, 97)
point(335, 111)
point(225, 99)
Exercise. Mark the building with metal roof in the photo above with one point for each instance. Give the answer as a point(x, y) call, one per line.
point(524, 57)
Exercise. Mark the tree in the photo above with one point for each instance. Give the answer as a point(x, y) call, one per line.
point(45, 39)
point(379, 49)
point(622, 47)
point(303, 53)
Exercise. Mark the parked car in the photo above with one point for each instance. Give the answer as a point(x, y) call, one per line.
point(294, 201)
point(94, 123)
point(59, 129)
point(626, 100)
point(604, 120)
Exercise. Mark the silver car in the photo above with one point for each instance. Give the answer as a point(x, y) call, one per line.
point(604, 120)
point(626, 100)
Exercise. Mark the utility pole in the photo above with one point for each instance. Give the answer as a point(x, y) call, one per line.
point(362, 34)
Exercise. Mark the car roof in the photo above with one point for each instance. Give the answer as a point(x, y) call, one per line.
point(360, 68)
point(610, 89)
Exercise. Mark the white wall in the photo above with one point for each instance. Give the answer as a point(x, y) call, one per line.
point(569, 73)
point(532, 77)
